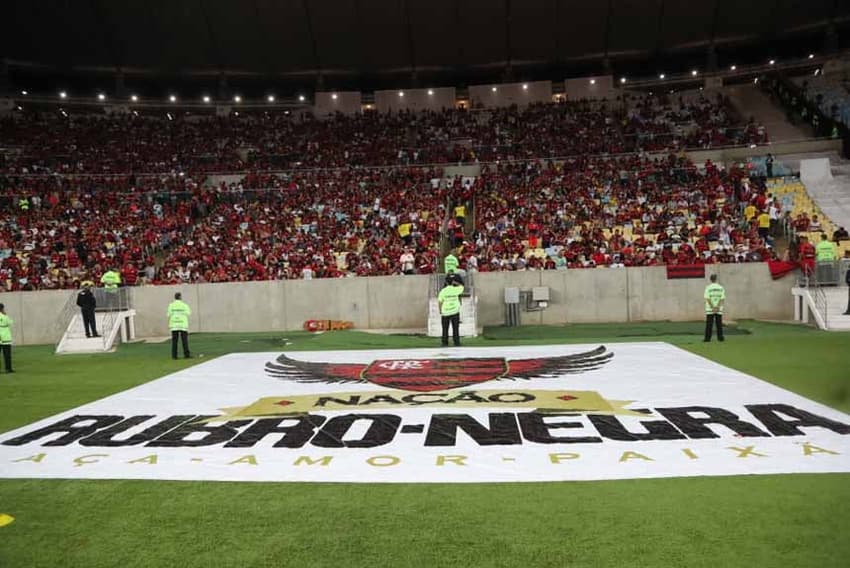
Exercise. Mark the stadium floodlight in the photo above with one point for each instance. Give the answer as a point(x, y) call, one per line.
point(772, 61)
point(134, 98)
point(333, 96)
point(63, 95)
point(430, 91)
point(694, 73)
point(301, 98)
point(172, 98)
point(493, 89)
point(622, 80)
point(237, 99)
point(734, 67)
point(206, 98)
point(270, 98)
point(661, 76)
point(24, 93)
point(593, 81)
point(811, 56)
point(401, 93)
point(101, 97)
point(525, 86)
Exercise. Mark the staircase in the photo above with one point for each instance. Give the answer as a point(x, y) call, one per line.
point(468, 308)
point(114, 318)
point(826, 304)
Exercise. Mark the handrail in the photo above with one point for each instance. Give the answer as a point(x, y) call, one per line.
point(820, 300)
point(65, 316)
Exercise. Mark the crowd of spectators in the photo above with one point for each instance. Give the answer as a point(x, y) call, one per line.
point(194, 144)
point(81, 194)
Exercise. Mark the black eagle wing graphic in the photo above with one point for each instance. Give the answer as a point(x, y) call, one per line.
point(549, 367)
point(308, 372)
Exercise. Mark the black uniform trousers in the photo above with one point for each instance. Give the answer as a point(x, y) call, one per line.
point(184, 339)
point(454, 321)
point(710, 320)
point(7, 356)
point(89, 322)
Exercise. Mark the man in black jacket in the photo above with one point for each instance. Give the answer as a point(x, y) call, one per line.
point(87, 303)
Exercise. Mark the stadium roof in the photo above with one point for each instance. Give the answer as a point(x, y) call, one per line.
point(292, 38)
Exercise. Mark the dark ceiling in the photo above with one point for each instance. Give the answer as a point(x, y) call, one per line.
point(299, 38)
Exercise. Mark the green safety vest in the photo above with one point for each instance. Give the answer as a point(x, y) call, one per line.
point(5, 329)
point(825, 251)
point(24, 204)
point(110, 280)
point(714, 292)
point(178, 316)
point(449, 298)
point(451, 263)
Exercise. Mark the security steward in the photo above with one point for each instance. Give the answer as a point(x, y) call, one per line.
point(715, 297)
point(87, 303)
point(111, 279)
point(178, 323)
point(449, 302)
point(6, 339)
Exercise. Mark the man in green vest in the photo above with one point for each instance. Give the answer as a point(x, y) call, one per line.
point(110, 280)
point(6, 338)
point(825, 250)
point(178, 323)
point(715, 297)
point(450, 263)
point(449, 302)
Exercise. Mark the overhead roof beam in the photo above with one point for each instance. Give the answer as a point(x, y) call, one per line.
point(309, 20)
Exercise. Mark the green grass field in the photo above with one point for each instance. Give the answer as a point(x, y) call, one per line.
point(779, 520)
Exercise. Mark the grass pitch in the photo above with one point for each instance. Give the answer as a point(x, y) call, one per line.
point(780, 520)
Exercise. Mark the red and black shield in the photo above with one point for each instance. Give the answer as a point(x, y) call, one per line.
point(433, 374)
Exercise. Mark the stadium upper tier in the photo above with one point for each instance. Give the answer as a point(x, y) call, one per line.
point(98, 144)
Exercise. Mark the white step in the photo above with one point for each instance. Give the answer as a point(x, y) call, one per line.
point(109, 326)
point(468, 318)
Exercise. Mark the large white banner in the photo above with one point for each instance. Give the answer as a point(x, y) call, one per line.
point(546, 413)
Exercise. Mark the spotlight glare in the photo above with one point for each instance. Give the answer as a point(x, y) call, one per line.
point(270, 98)
point(237, 99)
point(525, 86)
point(622, 79)
point(734, 67)
point(493, 89)
point(661, 76)
point(134, 98)
point(401, 93)
point(172, 98)
point(24, 93)
point(430, 91)
point(101, 97)
point(811, 56)
point(593, 81)
point(333, 96)
point(772, 61)
point(301, 98)
point(206, 98)
point(694, 73)
point(63, 95)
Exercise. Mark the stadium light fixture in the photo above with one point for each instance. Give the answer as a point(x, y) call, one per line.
point(430, 91)
point(65, 114)
point(172, 98)
point(333, 96)
point(101, 97)
point(733, 67)
point(772, 61)
point(134, 98)
point(493, 89)
point(401, 93)
point(593, 81)
point(756, 80)
point(206, 98)
point(622, 80)
point(525, 86)
point(811, 56)
point(237, 99)
point(661, 76)
point(301, 98)
point(270, 98)
point(63, 95)
point(694, 73)
point(24, 93)
point(817, 72)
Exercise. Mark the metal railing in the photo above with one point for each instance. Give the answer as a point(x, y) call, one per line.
point(820, 299)
point(69, 310)
point(111, 301)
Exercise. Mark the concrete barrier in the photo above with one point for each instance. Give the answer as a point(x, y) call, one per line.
point(400, 302)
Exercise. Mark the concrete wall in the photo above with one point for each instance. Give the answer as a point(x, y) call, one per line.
point(415, 99)
point(506, 94)
point(601, 87)
point(346, 102)
point(387, 302)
